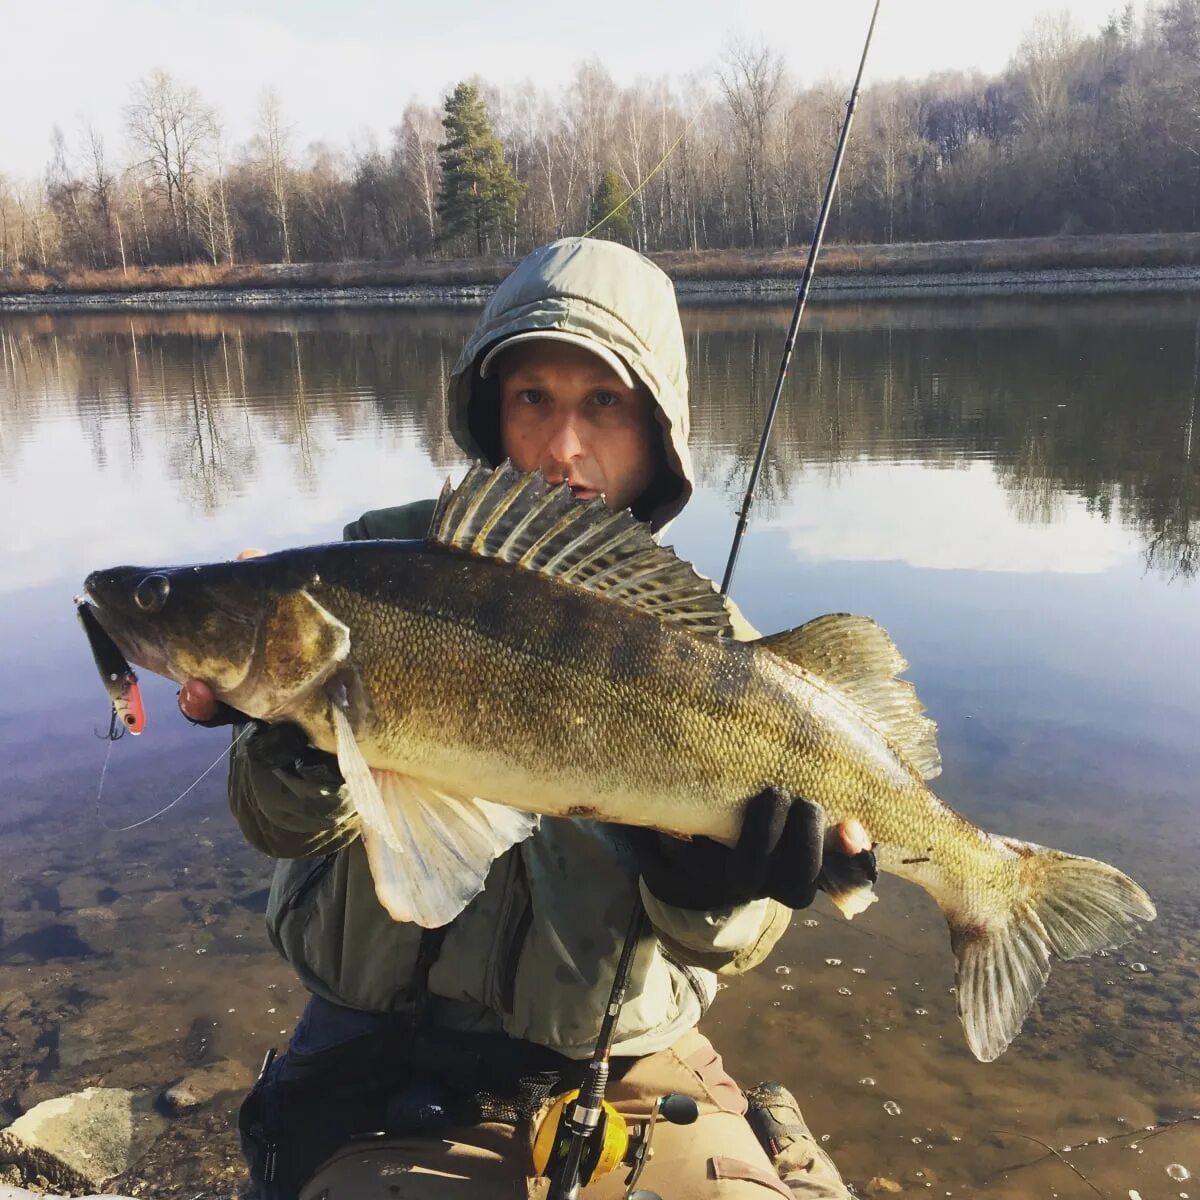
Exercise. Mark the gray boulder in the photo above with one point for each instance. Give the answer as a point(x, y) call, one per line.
point(80, 1142)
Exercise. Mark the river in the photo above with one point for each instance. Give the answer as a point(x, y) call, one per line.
point(1010, 485)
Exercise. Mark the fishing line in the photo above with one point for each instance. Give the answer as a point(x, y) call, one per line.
point(653, 170)
point(162, 811)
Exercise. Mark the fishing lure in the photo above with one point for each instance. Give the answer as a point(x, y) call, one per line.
point(119, 679)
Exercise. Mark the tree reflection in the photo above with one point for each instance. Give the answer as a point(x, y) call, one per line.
point(1093, 399)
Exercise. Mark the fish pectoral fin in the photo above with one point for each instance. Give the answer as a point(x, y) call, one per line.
point(429, 851)
point(856, 656)
point(1064, 904)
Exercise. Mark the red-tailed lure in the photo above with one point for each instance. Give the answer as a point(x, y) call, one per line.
point(120, 681)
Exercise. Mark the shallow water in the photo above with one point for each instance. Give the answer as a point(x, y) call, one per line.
point(1011, 487)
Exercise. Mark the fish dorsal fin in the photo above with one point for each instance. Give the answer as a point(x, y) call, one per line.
point(523, 520)
point(856, 656)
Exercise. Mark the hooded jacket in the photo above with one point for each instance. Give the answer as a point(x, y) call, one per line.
point(533, 954)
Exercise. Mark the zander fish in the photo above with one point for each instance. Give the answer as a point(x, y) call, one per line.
point(540, 655)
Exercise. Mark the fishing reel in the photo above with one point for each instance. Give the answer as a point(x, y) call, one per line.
point(610, 1141)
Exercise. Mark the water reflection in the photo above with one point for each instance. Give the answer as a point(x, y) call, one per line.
point(1092, 402)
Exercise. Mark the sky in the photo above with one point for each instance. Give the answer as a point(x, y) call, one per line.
point(344, 71)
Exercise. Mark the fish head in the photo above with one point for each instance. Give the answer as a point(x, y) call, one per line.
point(247, 628)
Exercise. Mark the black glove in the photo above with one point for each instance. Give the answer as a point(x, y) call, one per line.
point(281, 747)
point(780, 854)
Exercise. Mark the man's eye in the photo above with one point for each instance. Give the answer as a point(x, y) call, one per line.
point(606, 399)
point(530, 396)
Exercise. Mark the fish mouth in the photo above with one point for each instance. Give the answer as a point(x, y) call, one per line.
point(139, 643)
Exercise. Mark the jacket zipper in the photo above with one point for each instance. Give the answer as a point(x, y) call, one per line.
point(513, 944)
point(310, 881)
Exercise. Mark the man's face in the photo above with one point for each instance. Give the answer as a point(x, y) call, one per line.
point(565, 413)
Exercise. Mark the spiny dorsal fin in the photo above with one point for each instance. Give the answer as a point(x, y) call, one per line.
point(857, 657)
point(523, 520)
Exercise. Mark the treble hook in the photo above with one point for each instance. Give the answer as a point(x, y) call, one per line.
point(116, 728)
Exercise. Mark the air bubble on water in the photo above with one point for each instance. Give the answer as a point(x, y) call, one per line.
point(867, 1081)
point(833, 962)
point(1138, 968)
point(783, 970)
point(892, 1108)
point(811, 924)
point(1102, 954)
point(787, 987)
point(1102, 1141)
point(845, 991)
point(921, 1012)
point(916, 1142)
point(1178, 1172)
point(824, 1137)
point(919, 1174)
point(774, 1003)
point(201, 950)
point(1110, 982)
point(860, 970)
point(952, 991)
point(955, 1138)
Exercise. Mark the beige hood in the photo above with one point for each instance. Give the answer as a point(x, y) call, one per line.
point(608, 294)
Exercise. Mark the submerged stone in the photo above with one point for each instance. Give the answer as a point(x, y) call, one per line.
point(203, 1085)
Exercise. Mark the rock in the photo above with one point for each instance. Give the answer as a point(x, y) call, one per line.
point(83, 891)
point(881, 1185)
point(201, 1086)
point(20, 1193)
point(81, 1141)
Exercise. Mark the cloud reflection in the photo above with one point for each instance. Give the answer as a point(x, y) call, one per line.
point(951, 519)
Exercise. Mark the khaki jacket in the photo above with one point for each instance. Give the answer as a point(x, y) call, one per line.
point(534, 954)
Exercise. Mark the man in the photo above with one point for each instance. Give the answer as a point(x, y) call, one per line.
point(449, 1040)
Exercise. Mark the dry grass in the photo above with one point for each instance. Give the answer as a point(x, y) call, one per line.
point(1014, 254)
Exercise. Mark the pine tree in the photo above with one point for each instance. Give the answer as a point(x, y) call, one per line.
point(479, 192)
point(611, 192)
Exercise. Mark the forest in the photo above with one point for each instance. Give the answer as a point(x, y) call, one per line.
point(1084, 132)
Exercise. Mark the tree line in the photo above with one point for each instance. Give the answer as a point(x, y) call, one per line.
point(1083, 132)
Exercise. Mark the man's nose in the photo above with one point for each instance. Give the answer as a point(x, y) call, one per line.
point(564, 444)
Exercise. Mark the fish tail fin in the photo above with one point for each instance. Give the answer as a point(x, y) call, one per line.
point(1065, 905)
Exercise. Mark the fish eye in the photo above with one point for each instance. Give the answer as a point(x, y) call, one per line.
point(151, 594)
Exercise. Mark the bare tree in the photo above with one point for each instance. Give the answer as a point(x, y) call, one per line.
point(172, 128)
point(751, 79)
point(272, 143)
point(417, 138)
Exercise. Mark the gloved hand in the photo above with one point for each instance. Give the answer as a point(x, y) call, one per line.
point(280, 747)
point(783, 853)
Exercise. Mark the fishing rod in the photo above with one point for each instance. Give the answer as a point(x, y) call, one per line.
point(798, 312)
point(576, 1144)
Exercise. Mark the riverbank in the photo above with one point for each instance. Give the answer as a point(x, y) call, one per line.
point(1080, 265)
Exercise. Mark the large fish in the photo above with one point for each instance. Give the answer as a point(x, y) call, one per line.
point(537, 654)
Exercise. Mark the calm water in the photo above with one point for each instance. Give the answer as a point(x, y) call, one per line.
point(1012, 488)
